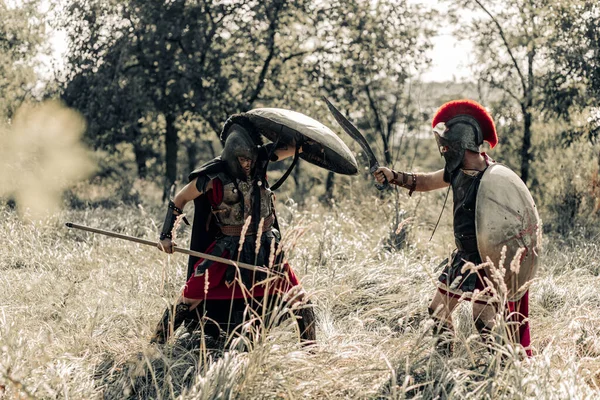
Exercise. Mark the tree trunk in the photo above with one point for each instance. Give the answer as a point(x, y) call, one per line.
point(211, 148)
point(526, 147)
point(297, 176)
point(141, 156)
point(140, 153)
point(192, 156)
point(329, 184)
point(170, 154)
point(386, 150)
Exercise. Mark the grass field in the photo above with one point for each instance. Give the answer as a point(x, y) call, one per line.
point(77, 311)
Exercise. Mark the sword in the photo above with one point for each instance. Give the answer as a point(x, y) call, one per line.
point(175, 249)
point(355, 134)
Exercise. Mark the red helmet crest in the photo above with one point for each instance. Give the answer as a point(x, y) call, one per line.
point(471, 108)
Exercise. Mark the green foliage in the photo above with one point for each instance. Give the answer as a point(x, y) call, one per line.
point(509, 37)
point(204, 61)
point(373, 54)
point(572, 80)
point(21, 40)
point(573, 75)
point(536, 61)
point(566, 192)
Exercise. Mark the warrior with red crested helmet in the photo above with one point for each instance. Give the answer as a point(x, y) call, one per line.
point(460, 128)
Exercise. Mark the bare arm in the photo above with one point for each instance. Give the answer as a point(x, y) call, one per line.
point(430, 181)
point(423, 182)
point(188, 193)
point(286, 151)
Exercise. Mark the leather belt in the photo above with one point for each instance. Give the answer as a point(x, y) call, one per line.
point(236, 230)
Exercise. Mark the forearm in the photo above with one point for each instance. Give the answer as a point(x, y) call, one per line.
point(176, 205)
point(185, 195)
point(420, 182)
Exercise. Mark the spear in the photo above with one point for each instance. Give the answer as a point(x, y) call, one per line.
point(175, 249)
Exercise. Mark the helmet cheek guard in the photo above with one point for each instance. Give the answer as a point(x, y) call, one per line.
point(452, 151)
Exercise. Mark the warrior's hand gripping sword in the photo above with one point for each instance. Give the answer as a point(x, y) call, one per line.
point(355, 134)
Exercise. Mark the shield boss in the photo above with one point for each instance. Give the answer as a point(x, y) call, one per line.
point(506, 215)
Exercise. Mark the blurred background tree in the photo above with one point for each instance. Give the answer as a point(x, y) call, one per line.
point(208, 60)
point(156, 81)
point(536, 66)
point(22, 40)
point(509, 38)
point(572, 78)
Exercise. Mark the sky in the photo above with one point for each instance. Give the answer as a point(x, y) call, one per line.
point(449, 56)
point(450, 59)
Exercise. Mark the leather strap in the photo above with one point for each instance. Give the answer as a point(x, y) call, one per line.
point(288, 172)
point(406, 177)
point(173, 212)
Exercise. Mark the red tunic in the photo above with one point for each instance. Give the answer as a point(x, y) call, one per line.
point(211, 285)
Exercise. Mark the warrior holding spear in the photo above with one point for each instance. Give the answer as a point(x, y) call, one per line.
point(495, 223)
point(234, 218)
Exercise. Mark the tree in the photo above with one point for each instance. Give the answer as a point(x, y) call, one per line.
point(509, 38)
point(21, 40)
point(572, 81)
point(211, 59)
point(374, 49)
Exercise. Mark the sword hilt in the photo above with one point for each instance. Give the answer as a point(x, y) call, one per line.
point(385, 183)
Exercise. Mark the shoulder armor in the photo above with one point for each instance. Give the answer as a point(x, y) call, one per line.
point(211, 169)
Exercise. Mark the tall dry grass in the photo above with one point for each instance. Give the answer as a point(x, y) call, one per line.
point(77, 312)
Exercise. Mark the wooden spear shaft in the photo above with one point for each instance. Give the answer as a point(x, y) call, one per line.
point(175, 248)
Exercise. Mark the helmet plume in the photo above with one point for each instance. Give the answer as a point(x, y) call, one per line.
point(468, 107)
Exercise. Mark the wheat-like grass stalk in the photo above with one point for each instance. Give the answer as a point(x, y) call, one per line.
point(77, 310)
point(243, 233)
point(259, 237)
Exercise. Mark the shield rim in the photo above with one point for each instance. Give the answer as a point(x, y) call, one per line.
point(511, 295)
point(344, 161)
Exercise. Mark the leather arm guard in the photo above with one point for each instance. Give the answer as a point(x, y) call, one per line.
point(408, 181)
point(173, 212)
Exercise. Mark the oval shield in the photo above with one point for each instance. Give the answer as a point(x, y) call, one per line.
point(506, 215)
point(288, 126)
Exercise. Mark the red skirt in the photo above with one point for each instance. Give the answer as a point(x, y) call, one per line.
point(211, 285)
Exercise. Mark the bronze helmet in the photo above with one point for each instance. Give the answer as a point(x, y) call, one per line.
point(240, 139)
point(462, 125)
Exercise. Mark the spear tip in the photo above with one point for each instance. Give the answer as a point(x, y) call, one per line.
point(69, 224)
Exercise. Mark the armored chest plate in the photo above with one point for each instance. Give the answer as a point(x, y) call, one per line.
point(237, 203)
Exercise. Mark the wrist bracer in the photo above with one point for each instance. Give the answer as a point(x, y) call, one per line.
point(408, 181)
point(173, 212)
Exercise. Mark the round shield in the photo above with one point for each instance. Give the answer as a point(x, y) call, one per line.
point(506, 215)
point(287, 126)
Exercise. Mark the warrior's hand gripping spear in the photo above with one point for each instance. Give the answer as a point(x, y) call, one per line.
point(175, 249)
point(355, 134)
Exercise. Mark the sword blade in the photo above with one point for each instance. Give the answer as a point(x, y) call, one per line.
point(354, 133)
